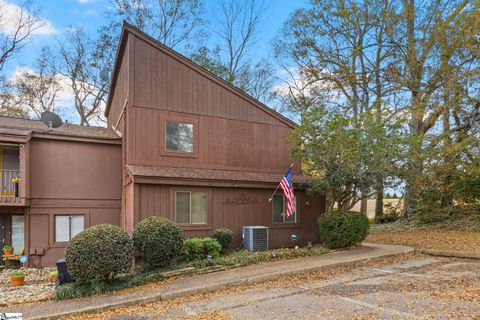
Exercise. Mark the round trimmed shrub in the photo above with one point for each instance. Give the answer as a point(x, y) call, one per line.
point(197, 249)
point(343, 229)
point(99, 253)
point(159, 239)
point(224, 237)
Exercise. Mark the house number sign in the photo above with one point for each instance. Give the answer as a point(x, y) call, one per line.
point(241, 200)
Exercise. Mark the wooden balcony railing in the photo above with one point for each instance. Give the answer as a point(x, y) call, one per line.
point(9, 190)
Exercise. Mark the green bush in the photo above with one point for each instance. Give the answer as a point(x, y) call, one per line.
point(99, 253)
point(159, 239)
point(224, 237)
point(197, 249)
point(343, 229)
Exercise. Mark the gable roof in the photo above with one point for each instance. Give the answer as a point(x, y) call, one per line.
point(23, 127)
point(128, 28)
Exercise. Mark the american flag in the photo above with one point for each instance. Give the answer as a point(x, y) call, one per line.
point(287, 186)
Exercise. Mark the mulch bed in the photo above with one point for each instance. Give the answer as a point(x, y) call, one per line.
point(458, 240)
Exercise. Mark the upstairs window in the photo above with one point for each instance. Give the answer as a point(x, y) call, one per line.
point(279, 210)
point(179, 137)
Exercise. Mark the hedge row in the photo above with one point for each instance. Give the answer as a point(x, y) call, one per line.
point(103, 251)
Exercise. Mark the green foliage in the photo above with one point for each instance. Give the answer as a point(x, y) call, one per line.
point(337, 151)
point(7, 248)
point(466, 187)
point(244, 257)
point(159, 239)
point(343, 229)
point(390, 214)
point(197, 249)
point(99, 253)
point(224, 237)
point(76, 290)
point(17, 274)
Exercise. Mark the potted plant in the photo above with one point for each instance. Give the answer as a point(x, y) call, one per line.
point(53, 276)
point(8, 251)
point(17, 278)
point(15, 182)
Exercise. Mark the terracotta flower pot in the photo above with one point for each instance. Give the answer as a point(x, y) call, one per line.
point(17, 281)
point(53, 278)
point(8, 252)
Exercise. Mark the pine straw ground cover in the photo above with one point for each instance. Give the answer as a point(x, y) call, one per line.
point(461, 235)
point(157, 309)
point(457, 240)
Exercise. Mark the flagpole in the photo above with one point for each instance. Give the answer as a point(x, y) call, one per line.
point(270, 199)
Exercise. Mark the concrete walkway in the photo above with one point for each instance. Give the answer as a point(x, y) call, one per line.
point(211, 282)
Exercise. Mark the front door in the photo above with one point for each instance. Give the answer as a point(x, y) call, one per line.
point(3, 234)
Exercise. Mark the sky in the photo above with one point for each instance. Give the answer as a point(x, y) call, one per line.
point(90, 14)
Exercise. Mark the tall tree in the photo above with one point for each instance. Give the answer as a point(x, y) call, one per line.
point(235, 31)
point(16, 28)
point(436, 43)
point(85, 64)
point(172, 22)
point(341, 56)
point(36, 91)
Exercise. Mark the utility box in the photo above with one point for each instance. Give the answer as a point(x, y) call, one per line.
point(255, 238)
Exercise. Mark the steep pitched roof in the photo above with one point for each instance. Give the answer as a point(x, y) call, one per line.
point(23, 127)
point(128, 28)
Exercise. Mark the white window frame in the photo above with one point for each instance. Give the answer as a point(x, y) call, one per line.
point(178, 137)
point(70, 217)
point(284, 217)
point(190, 209)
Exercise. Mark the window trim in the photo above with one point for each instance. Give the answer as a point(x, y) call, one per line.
point(163, 131)
point(285, 223)
point(173, 208)
point(69, 226)
point(178, 137)
point(190, 209)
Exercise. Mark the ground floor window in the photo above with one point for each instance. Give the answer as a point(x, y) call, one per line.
point(190, 207)
point(18, 233)
point(68, 226)
point(279, 210)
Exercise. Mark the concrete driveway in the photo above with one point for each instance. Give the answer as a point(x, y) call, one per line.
point(418, 288)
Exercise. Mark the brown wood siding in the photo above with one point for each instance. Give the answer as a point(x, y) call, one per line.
point(74, 170)
point(120, 91)
point(222, 143)
point(158, 200)
point(163, 82)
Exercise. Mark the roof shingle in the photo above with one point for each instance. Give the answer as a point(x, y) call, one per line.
point(17, 126)
point(209, 174)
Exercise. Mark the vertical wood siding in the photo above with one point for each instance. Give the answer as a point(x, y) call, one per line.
point(120, 91)
point(158, 200)
point(165, 83)
point(222, 143)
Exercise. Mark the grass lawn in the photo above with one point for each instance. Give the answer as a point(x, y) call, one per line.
point(448, 235)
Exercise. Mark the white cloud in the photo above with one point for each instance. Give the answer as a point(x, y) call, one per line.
point(90, 12)
point(65, 97)
point(9, 15)
point(65, 94)
point(85, 1)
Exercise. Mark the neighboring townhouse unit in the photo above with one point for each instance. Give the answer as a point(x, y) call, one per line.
point(199, 151)
point(181, 143)
point(69, 179)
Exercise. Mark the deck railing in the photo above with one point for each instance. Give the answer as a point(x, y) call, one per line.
point(7, 186)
